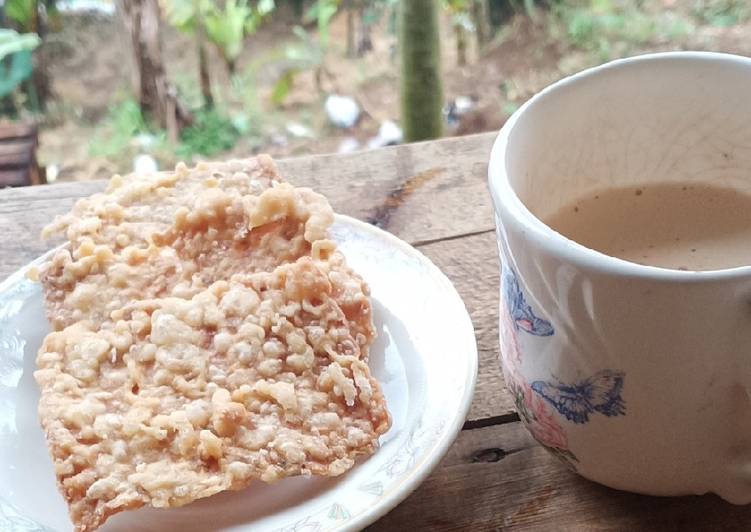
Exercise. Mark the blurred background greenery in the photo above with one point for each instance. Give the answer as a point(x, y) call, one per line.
point(145, 83)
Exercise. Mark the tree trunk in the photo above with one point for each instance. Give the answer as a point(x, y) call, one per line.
point(461, 44)
point(231, 66)
point(350, 30)
point(158, 99)
point(365, 43)
point(298, 6)
point(40, 89)
point(480, 20)
point(499, 12)
point(421, 88)
point(41, 84)
point(318, 77)
point(203, 65)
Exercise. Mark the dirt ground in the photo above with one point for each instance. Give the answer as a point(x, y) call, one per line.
point(91, 72)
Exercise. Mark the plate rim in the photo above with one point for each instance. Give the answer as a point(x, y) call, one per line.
point(450, 430)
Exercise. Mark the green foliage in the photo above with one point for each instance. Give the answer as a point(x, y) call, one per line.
point(226, 27)
point(127, 119)
point(258, 15)
point(12, 42)
point(456, 6)
point(188, 89)
point(182, 13)
point(16, 64)
point(15, 73)
point(227, 24)
point(723, 13)
point(510, 108)
point(459, 11)
point(421, 88)
point(117, 136)
point(306, 53)
point(22, 12)
point(282, 87)
point(248, 115)
point(210, 133)
point(123, 122)
point(309, 53)
point(322, 11)
point(612, 27)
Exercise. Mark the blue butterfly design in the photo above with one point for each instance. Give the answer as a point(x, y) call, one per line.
point(599, 393)
point(521, 313)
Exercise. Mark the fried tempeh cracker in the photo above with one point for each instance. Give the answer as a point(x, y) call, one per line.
point(224, 340)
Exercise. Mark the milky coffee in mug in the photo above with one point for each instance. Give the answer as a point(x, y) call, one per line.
point(681, 226)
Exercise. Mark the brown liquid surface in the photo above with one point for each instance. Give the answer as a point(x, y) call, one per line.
point(676, 225)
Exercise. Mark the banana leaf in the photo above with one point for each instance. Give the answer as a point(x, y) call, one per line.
point(14, 70)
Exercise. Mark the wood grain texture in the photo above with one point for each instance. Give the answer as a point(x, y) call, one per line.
point(498, 478)
point(419, 192)
point(471, 263)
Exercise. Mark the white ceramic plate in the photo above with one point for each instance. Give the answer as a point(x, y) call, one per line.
point(425, 357)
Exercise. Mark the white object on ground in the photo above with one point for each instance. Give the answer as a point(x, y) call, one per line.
point(462, 104)
point(348, 145)
point(278, 139)
point(296, 129)
point(342, 111)
point(51, 172)
point(457, 108)
point(145, 164)
point(83, 6)
point(388, 134)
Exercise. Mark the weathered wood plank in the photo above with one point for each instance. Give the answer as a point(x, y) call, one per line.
point(472, 265)
point(419, 192)
point(497, 478)
point(14, 177)
point(17, 152)
point(17, 130)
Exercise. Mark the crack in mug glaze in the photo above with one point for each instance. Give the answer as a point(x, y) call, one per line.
point(638, 377)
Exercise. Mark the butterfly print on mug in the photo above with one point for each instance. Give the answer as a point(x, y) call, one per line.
point(600, 393)
point(521, 313)
point(540, 420)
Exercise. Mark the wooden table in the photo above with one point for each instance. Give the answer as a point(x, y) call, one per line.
point(495, 477)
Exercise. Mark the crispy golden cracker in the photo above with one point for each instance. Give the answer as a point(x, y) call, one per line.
point(222, 340)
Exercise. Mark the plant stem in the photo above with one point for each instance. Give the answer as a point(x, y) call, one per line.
point(350, 30)
point(156, 96)
point(203, 66)
point(480, 20)
point(421, 87)
point(461, 44)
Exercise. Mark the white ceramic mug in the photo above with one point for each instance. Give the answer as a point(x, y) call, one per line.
point(638, 377)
